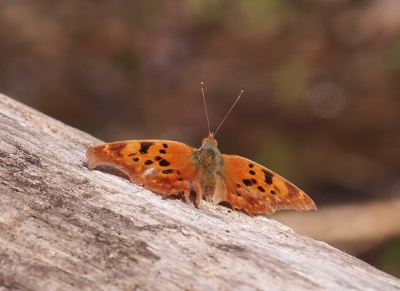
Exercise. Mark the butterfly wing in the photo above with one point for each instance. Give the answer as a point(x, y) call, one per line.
point(164, 167)
point(254, 189)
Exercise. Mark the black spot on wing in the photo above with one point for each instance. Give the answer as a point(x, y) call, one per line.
point(254, 181)
point(148, 162)
point(268, 176)
point(169, 171)
point(251, 172)
point(162, 151)
point(158, 158)
point(247, 182)
point(164, 163)
point(251, 165)
point(273, 192)
point(144, 146)
point(261, 189)
point(136, 159)
point(165, 145)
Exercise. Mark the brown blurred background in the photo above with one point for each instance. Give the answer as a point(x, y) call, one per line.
point(321, 81)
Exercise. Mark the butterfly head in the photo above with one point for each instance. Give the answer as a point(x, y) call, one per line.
point(209, 141)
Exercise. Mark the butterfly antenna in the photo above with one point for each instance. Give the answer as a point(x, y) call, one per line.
point(205, 107)
point(237, 99)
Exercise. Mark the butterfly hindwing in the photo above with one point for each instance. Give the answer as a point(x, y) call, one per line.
point(254, 189)
point(164, 167)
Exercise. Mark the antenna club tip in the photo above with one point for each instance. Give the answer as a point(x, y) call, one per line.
point(201, 83)
point(242, 91)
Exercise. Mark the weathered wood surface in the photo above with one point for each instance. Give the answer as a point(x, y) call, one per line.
point(63, 227)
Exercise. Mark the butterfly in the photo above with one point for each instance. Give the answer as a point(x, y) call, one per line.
point(171, 168)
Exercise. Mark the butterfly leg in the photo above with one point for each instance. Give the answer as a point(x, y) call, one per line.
point(199, 194)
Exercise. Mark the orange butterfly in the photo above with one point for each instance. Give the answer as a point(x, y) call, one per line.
point(173, 168)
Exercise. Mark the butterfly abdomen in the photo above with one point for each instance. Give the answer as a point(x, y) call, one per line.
point(208, 161)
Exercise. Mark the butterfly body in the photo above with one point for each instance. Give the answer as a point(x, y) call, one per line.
point(171, 168)
point(209, 162)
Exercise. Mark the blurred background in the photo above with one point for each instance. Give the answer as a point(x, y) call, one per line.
point(321, 103)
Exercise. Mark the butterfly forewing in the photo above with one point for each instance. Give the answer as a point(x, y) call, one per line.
point(164, 167)
point(254, 189)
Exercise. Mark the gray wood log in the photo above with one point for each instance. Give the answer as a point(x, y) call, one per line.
point(63, 227)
